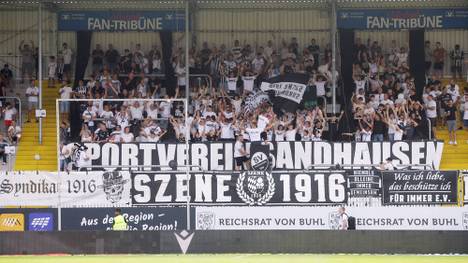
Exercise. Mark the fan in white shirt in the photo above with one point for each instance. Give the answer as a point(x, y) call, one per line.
point(386, 101)
point(226, 131)
point(254, 133)
point(127, 136)
point(65, 92)
point(88, 116)
point(180, 72)
point(165, 108)
point(262, 122)
point(320, 82)
point(290, 134)
point(258, 63)
point(108, 117)
point(454, 90)
point(465, 112)
point(152, 110)
point(122, 117)
point(237, 104)
point(136, 111)
point(360, 83)
point(248, 81)
point(402, 56)
point(32, 93)
point(231, 82)
point(366, 133)
point(431, 107)
point(209, 113)
point(279, 133)
point(142, 88)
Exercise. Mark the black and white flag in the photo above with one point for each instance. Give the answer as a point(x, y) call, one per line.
point(254, 100)
point(286, 91)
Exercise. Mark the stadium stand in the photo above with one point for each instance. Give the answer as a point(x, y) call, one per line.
point(133, 126)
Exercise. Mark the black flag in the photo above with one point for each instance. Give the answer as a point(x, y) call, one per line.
point(286, 91)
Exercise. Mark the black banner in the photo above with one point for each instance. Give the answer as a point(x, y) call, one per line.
point(219, 156)
point(234, 188)
point(286, 91)
point(419, 187)
point(364, 183)
point(142, 218)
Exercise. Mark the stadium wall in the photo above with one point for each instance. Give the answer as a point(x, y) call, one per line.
point(100, 242)
point(223, 26)
point(215, 26)
point(18, 25)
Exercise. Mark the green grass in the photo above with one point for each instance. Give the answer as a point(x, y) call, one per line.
point(236, 258)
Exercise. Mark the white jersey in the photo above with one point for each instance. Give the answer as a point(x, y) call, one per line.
point(248, 83)
point(238, 146)
point(231, 84)
point(290, 135)
point(254, 134)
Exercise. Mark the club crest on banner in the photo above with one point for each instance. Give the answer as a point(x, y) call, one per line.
point(465, 221)
point(260, 161)
point(255, 187)
point(334, 220)
point(205, 220)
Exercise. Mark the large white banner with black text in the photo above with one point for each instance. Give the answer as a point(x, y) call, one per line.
point(316, 218)
point(77, 189)
point(217, 156)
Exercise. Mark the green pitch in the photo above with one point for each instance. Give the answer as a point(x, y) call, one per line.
point(236, 258)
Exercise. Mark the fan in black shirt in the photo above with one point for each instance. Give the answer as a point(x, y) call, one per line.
point(101, 134)
point(450, 113)
point(379, 128)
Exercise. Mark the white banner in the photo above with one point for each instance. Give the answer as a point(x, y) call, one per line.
point(219, 156)
point(78, 189)
point(314, 218)
point(289, 90)
point(28, 189)
point(95, 189)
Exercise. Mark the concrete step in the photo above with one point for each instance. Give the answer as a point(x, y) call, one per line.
point(37, 167)
point(46, 127)
point(26, 153)
point(44, 157)
point(453, 167)
point(455, 161)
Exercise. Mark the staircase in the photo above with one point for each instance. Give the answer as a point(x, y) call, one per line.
point(30, 155)
point(454, 157)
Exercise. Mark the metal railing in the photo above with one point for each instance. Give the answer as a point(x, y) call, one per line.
point(343, 166)
point(152, 75)
point(207, 76)
point(429, 128)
